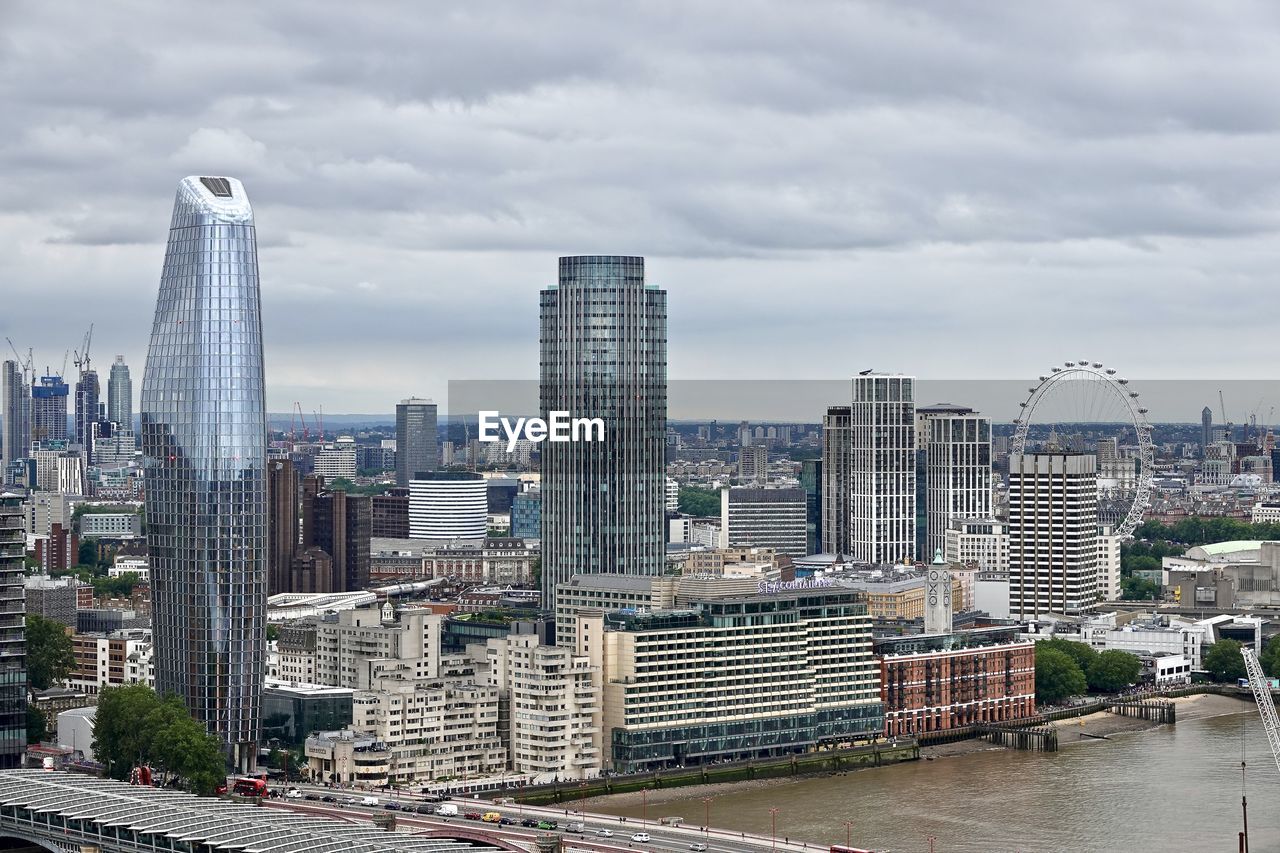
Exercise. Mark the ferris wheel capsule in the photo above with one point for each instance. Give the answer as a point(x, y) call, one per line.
point(1057, 370)
point(1111, 371)
point(1097, 364)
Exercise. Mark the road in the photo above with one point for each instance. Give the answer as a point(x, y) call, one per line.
point(663, 839)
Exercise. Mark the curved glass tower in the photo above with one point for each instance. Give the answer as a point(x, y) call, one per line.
point(204, 442)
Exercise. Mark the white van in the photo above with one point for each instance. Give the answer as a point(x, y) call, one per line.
point(369, 801)
point(447, 810)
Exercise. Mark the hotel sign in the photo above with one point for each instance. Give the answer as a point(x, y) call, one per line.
point(774, 587)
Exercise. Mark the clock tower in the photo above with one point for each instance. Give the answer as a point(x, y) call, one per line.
point(937, 597)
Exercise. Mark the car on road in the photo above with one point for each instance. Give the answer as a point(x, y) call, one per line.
point(473, 816)
point(368, 801)
point(391, 806)
point(697, 847)
point(530, 822)
point(351, 801)
point(425, 808)
point(311, 795)
point(605, 833)
point(293, 794)
point(491, 817)
point(546, 824)
point(506, 821)
point(446, 810)
point(640, 836)
point(576, 827)
point(328, 798)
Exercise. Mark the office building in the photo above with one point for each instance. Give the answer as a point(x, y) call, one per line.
point(733, 677)
point(1053, 534)
point(526, 514)
point(752, 517)
point(1206, 429)
point(88, 390)
point(391, 514)
point(282, 524)
point(837, 446)
point(337, 530)
point(113, 525)
point(13, 669)
point(120, 395)
point(15, 415)
point(604, 355)
point(957, 472)
point(53, 598)
point(448, 505)
point(206, 501)
point(811, 483)
point(882, 504)
point(417, 445)
point(49, 410)
point(292, 710)
point(753, 464)
point(338, 460)
point(983, 542)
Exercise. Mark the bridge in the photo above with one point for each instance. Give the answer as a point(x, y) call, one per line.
point(68, 813)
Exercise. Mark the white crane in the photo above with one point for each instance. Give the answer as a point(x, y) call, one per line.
point(1261, 688)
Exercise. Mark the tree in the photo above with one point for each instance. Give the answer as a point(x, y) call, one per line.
point(1084, 655)
point(700, 503)
point(37, 727)
point(273, 632)
point(133, 725)
point(1057, 676)
point(50, 658)
point(1224, 661)
point(1270, 657)
point(1134, 588)
point(1113, 671)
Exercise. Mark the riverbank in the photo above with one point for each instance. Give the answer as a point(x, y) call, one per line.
point(1103, 724)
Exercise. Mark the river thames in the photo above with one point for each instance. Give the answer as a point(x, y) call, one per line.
point(1171, 788)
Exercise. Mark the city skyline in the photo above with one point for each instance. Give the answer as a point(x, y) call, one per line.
point(1005, 175)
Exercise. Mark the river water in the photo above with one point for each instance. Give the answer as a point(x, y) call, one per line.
point(1171, 788)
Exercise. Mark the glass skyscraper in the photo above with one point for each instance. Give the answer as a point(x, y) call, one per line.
point(604, 355)
point(204, 446)
point(120, 395)
point(417, 446)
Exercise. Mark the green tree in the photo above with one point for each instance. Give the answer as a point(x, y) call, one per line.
point(1057, 676)
point(700, 503)
point(1138, 589)
point(119, 742)
point(1113, 671)
point(37, 728)
point(1083, 654)
point(88, 553)
point(1270, 657)
point(50, 658)
point(1224, 661)
point(133, 725)
point(273, 632)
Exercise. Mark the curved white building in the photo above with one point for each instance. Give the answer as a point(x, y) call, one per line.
point(448, 505)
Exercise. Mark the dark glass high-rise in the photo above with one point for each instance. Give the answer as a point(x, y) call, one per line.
point(204, 444)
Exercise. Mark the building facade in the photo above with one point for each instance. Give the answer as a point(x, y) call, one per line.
point(417, 445)
point(13, 650)
point(49, 409)
point(88, 391)
point(603, 343)
point(1053, 534)
point(448, 505)
point(753, 517)
point(981, 541)
point(837, 447)
point(882, 504)
point(957, 473)
point(204, 442)
point(120, 395)
point(282, 524)
point(15, 398)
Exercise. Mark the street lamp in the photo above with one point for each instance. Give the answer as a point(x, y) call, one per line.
point(706, 820)
point(582, 797)
point(931, 839)
point(773, 832)
point(848, 833)
point(644, 807)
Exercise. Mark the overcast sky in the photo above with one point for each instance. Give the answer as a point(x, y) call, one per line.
point(952, 189)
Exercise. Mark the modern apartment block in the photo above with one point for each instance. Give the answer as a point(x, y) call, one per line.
point(15, 415)
point(205, 498)
point(49, 409)
point(354, 648)
point(120, 395)
point(957, 449)
point(752, 517)
point(88, 392)
point(13, 650)
point(1053, 534)
point(733, 678)
point(552, 696)
point(448, 505)
point(417, 444)
point(882, 503)
point(837, 446)
point(282, 524)
point(604, 355)
point(753, 464)
point(341, 527)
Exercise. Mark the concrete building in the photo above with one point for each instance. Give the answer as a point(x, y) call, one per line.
point(493, 561)
point(13, 670)
point(347, 757)
point(448, 505)
point(980, 541)
point(337, 532)
point(101, 659)
point(1053, 534)
point(937, 682)
point(837, 447)
point(603, 344)
point(49, 410)
point(553, 696)
point(753, 464)
point(1108, 565)
point(708, 682)
point(15, 415)
point(75, 730)
point(53, 598)
point(898, 600)
point(113, 525)
point(282, 524)
point(1236, 574)
point(391, 514)
point(1156, 635)
point(882, 478)
point(354, 648)
point(764, 518)
point(337, 460)
point(417, 444)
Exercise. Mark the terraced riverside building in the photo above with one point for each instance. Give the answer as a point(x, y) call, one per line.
point(66, 812)
point(734, 677)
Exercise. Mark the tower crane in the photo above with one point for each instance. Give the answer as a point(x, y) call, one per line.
point(1262, 695)
point(82, 356)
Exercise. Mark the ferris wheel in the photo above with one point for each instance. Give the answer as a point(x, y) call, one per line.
point(1085, 392)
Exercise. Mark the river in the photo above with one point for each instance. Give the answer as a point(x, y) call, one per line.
point(1171, 788)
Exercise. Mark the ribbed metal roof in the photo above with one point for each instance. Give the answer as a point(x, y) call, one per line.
point(201, 820)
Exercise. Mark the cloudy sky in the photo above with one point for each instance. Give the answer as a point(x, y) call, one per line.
point(954, 189)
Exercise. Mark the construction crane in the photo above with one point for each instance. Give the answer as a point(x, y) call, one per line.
point(1222, 405)
point(27, 365)
point(82, 355)
point(1261, 688)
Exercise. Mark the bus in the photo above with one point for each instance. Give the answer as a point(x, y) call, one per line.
point(246, 786)
point(840, 848)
